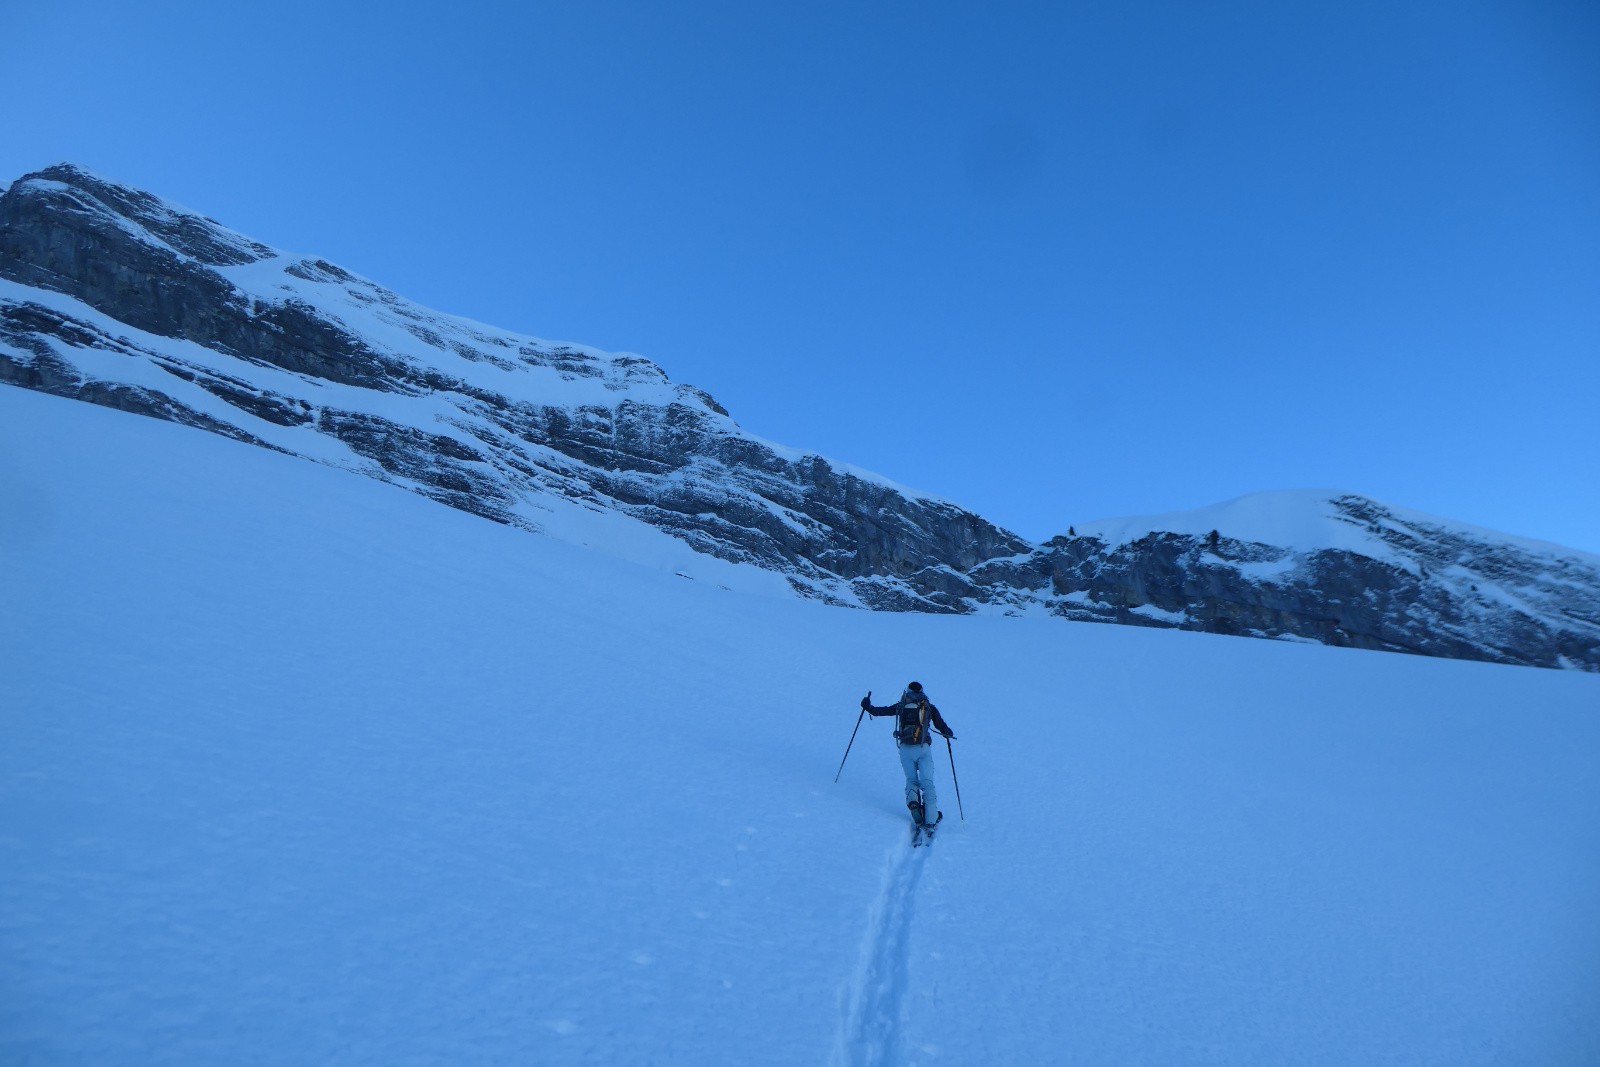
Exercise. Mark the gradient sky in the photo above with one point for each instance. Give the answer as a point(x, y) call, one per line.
point(1055, 262)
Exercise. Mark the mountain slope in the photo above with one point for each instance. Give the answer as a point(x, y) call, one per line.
point(299, 769)
point(114, 296)
point(120, 298)
point(1336, 568)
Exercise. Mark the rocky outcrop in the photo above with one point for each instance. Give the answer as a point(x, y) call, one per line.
point(112, 296)
point(127, 255)
point(668, 455)
point(1417, 586)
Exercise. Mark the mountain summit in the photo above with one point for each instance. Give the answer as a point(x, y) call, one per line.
point(117, 297)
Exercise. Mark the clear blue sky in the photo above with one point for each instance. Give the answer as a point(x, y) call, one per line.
point(1055, 262)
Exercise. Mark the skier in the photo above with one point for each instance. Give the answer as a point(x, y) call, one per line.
point(916, 715)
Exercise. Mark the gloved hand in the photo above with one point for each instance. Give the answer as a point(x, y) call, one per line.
point(866, 702)
point(948, 736)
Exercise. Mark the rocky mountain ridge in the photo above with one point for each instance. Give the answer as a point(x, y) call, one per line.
point(114, 296)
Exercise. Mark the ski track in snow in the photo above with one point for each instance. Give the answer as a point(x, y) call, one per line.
point(872, 1030)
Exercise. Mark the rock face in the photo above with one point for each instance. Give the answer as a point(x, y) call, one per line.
point(113, 296)
point(1400, 582)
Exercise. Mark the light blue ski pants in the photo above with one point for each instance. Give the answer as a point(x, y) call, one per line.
point(917, 762)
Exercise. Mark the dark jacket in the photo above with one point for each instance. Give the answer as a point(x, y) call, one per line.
point(916, 714)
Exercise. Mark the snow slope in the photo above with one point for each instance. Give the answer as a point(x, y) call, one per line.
point(299, 768)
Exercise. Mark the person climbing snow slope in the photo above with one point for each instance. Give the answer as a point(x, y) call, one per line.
point(917, 721)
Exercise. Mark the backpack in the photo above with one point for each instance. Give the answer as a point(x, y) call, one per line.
point(913, 721)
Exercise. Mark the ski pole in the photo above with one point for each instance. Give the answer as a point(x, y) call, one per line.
point(954, 779)
point(852, 742)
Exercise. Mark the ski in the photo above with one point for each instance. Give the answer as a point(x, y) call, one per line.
point(922, 832)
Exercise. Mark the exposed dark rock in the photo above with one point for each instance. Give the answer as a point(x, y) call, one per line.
point(142, 275)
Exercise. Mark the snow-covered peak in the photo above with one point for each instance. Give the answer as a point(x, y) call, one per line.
point(123, 298)
point(522, 368)
point(519, 367)
point(1306, 518)
point(1310, 520)
point(148, 217)
point(112, 295)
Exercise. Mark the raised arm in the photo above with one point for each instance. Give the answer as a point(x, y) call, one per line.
point(866, 706)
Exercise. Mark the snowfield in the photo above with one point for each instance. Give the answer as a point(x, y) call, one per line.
point(302, 768)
